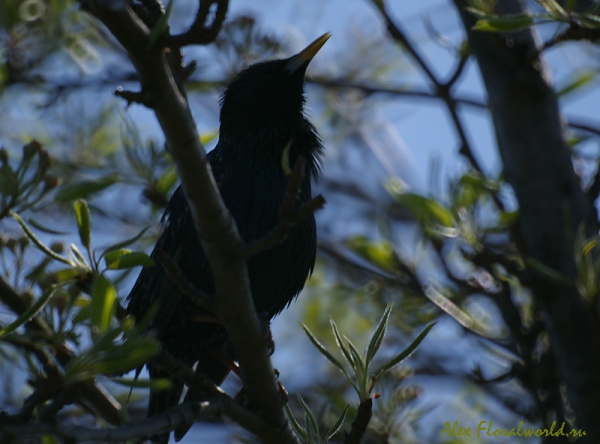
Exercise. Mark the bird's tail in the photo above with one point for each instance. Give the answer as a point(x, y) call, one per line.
point(217, 371)
point(162, 400)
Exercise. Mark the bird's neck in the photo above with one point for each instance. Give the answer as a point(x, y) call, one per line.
point(265, 143)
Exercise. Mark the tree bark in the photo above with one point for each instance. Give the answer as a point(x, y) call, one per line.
point(552, 204)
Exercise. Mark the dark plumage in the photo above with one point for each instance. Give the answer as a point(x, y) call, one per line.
point(261, 110)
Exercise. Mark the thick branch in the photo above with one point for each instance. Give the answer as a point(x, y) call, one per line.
point(361, 422)
point(552, 204)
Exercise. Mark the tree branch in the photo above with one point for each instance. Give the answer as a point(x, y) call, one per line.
point(552, 205)
point(233, 410)
point(442, 90)
point(214, 225)
point(177, 416)
point(360, 423)
point(199, 33)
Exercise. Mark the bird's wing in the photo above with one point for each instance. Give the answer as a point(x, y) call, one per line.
point(180, 243)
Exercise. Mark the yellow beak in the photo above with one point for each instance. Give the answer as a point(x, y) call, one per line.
point(306, 55)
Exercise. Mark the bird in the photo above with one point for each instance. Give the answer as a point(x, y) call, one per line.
point(262, 112)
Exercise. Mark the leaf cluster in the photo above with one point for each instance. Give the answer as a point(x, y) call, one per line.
point(116, 346)
point(489, 21)
point(26, 184)
point(361, 375)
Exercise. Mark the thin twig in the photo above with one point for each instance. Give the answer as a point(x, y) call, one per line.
point(142, 97)
point(460, 67)
point(442, 90)
point(199, 33)
point(400, 36)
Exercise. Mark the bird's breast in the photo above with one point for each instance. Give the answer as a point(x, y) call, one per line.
point(254, 194)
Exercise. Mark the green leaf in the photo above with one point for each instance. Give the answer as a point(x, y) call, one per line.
point(339, 340)
point(85, 189)
point(152, 384)
point(311, 422)
point(125, 359)
point(548, 272)
point(359, 364)
point(588, 246)
point(123, 258)
point(32, 311)
point(580, 79)
point(50, 439)
point(209, 136)
point(380, 253)
point(327, 354)
point(504, 23)
point(165, 182)
point(161, 24)
point(80, 261)
point(103, 306)
point(108, 357)
point(66, 274)
point(585, 20)
point(321, 347)
point(34, 223)
point(508, 218)
point(466, 196)
point(84, 222)
point(405, 354)
point(555, 9)
point(457, 313)
point(9, 185)
point(38, 243)
point(337, 426)
point(360, 370)
point(377, 337)
point(295, 424)
point(424, 209)
point(125, 243)
point(477, 180)
point(481, 8)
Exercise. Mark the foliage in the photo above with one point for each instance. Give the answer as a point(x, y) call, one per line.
point(26, 185)
point(364, 379)
point(554, 12)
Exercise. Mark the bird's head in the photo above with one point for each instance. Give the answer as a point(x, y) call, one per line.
point(268, 96)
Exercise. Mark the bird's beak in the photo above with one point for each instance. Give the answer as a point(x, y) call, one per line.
point(303, 58)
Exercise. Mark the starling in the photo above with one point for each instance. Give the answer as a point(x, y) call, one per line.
point(261, 111)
